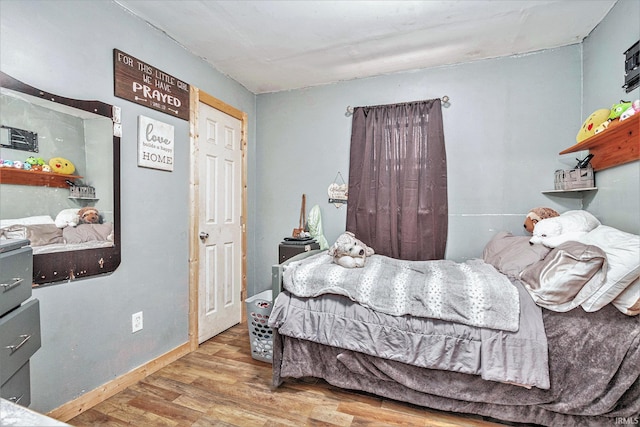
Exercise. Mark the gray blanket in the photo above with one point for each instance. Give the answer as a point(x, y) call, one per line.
point(472, 293)
point(594, 362)
point(512, 357)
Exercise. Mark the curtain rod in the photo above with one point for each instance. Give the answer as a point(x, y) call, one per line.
point(444, 99)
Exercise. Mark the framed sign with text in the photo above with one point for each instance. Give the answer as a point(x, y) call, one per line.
point(139, 82)
point(155, 144)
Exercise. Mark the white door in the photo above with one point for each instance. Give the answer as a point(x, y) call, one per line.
point(220, 227)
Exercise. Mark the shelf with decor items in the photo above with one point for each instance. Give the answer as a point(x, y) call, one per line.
point(618, 144)
point(27, 177)
point(573, 190)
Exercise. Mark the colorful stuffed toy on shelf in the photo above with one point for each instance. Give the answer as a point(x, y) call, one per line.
point(618, 109)
point(632, 110)
point(588, 128)
point(624, 108)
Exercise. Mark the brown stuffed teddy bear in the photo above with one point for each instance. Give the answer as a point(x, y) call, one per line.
point(349, 252)
point(538, 214)
point(88, 215)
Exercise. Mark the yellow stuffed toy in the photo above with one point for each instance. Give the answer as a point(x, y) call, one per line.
point(589, 126)
point(61, 165)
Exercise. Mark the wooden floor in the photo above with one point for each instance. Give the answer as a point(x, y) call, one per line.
point(221, 385)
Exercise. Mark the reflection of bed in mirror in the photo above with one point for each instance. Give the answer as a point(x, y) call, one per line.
point(43, 206)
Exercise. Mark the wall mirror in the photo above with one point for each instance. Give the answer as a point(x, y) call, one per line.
point(60, 181)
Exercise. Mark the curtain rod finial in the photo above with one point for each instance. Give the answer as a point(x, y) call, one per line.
point(349, 111)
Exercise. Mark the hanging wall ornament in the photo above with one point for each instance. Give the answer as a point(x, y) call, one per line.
point(337, 191)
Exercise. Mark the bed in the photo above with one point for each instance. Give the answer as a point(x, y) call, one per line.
point(572, 360)
point(64, 233)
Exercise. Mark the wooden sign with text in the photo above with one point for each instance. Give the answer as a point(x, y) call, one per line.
point(139, 82)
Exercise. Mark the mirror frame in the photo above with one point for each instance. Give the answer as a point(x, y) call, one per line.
point(50, 268)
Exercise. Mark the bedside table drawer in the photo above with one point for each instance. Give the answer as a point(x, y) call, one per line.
point(289, 251)
point(17, 389)
point(19, 338)
point(16, 277)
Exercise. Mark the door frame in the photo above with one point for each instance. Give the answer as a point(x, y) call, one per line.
point(196, 97)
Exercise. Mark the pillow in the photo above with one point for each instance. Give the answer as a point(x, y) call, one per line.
point(628, 301)
point(67, 217)
point(40, 219)
point(44, 234)
point(88, 232)
point(569, 226)
point(623, 257)
point(511, 254)
point(555, 282)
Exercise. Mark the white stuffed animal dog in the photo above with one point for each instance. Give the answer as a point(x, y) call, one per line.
point(571, 225)
point(349, 252)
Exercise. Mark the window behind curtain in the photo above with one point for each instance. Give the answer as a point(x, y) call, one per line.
point(398, 180)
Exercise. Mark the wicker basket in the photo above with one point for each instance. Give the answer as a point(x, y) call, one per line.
point(82, 192)
point(572, 179)
point(260, 334)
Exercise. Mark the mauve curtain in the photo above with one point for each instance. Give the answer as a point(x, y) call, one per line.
point(398, 180)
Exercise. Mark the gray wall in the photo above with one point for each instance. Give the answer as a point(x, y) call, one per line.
point(507, 121)
point(66, 48)
point(618, 198)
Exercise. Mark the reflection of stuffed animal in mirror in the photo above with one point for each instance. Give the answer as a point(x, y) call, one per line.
point(569, 226)
point(88, 215)
point(538, 214)
point(62, 165)
point(349, 252)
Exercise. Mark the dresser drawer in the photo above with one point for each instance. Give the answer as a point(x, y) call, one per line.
point(16, 276)
point(17, 389)
point(19, 337)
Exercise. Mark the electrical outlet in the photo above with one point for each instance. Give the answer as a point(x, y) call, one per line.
point(136, 322)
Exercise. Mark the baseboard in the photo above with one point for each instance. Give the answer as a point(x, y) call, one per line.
point(88, 400)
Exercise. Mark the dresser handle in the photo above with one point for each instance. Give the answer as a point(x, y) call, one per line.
point(6, 286)
point(15, 348)
point(15, 400)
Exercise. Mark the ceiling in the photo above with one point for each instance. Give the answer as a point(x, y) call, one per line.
point(271, 46)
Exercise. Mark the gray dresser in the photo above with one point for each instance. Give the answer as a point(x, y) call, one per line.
point(19, 320)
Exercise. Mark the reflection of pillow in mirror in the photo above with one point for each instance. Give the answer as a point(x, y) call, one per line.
point(556, 281)
point(38, 234)
point(628, 301)
point(40, 219)
point(67, 217)
point(88, 232)
point(44, 234)
point(16, 231)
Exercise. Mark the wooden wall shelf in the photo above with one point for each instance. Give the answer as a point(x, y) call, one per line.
point(619, 144)
point(36, 178)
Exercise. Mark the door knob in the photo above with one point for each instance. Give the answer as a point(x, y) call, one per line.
point(203, 236)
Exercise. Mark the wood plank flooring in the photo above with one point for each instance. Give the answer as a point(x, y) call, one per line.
point(220, 384)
